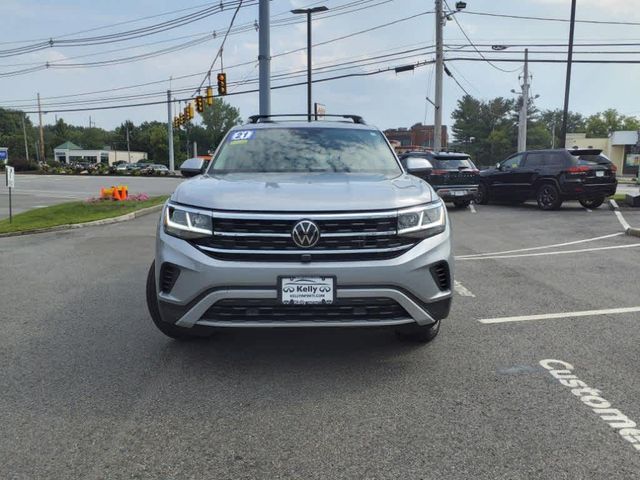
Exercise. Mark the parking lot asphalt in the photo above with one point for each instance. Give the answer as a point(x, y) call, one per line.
point(91, 390)
point(33, 191)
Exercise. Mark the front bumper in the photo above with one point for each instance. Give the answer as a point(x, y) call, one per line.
point(204, 281)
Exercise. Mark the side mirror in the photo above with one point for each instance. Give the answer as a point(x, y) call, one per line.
point(498, 166)
point(192, 167)
point(418, 165)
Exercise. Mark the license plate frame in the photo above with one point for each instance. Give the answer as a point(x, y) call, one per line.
point(306, 295)
point(599, 173)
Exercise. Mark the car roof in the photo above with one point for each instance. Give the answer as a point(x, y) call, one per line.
point(347, 125)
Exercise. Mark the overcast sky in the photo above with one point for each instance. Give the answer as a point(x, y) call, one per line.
point(386, 100)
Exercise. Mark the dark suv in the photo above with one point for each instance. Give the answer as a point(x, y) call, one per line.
point(452, 175)
point(550, 177)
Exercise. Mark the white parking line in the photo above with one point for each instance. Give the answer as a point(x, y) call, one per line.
point(462, 290)
point(472, 207)
point(461, 257)
point(550, 253)
point(547, 316)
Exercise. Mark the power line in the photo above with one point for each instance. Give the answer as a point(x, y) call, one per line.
point(550, 19)
point(277, 87)
point(479, 53)
point(124, 35)
point(448, 72)
point(219, 54)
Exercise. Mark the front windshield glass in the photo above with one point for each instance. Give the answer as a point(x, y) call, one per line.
point(343, 150)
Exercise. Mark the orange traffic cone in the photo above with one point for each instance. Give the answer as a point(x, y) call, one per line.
point(116, 194)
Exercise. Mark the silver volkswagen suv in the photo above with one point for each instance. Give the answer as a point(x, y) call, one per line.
point(302, 224)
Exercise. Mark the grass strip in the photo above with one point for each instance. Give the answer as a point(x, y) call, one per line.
point(74, 212)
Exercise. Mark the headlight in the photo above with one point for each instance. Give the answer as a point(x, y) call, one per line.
point(422, 222)
point(187, 223)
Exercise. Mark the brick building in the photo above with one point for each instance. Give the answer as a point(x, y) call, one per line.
point(418, 135)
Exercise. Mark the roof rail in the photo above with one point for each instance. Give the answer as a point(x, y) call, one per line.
point(268, 118)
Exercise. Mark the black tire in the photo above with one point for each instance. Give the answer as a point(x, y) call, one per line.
point(462, 203)
point(592, 202)
point(548, 197)
point(482, 197)
point(418, 333)
point(178, 333)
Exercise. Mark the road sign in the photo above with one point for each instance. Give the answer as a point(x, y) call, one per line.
point(4, 154)
point(11, 177)
point(11, 182)
point(319, 110)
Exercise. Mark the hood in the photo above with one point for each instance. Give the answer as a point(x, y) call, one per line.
point(308, 192)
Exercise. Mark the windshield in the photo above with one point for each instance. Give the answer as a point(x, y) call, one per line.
point(305, 150)
point(455, 163)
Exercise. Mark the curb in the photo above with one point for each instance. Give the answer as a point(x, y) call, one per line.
point(105, 221)
point(628, 229)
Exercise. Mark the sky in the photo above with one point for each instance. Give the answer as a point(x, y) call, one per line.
point(386, 100)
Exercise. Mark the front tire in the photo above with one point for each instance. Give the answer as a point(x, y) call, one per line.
point(592, 202)
point(548, 197)
point(177, 333)
point(418, 333)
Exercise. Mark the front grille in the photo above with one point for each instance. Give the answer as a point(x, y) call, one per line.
point(440, 273)
point(343, 310)
point(268, 238)
point(169, 273)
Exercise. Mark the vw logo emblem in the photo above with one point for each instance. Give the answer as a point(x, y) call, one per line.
point(305, 234)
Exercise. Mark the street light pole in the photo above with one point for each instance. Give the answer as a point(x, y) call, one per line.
point(437, 110)
point(308, 12)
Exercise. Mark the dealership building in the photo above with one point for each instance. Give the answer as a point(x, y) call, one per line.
point(69, 152)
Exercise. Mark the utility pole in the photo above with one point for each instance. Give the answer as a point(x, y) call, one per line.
point(41, 145)
point(567, 86)
point(24, 133)
point(522, 125)
point(128, 147)
point(170, 130)
point(437, 111)
point(195, 148)
point(264, 58)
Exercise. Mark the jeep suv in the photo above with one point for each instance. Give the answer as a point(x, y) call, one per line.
point(453, 175)
point(550, 177)
point(302, 224)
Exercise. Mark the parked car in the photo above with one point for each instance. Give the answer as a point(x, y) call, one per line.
point(155, 168)
point(550, 177)
point(453, 175)
point(302, 224)
point(122, 167)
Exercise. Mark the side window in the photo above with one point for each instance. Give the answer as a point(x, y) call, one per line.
point(513, 162)
point(537, 159)
point(557, 160)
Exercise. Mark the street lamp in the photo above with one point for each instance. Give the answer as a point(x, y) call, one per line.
point(309, 12)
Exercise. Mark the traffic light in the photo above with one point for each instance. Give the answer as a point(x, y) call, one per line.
point(222, 84)
point(181, 119)
point(176, 122)
point(190, 112)
point(209, 96)
point(200, 103)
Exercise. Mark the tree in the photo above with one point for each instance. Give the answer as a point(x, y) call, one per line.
point(485, 129)
point(218, 119)
point(12, 137)
point(603, 123)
